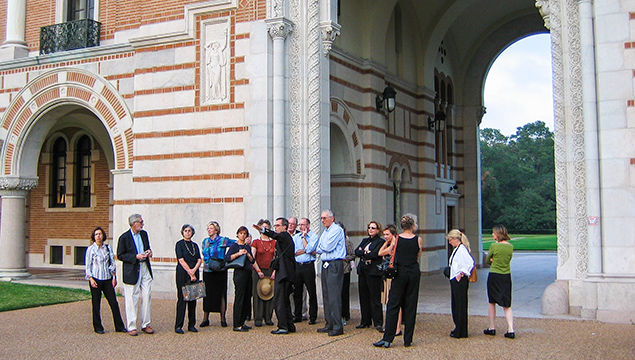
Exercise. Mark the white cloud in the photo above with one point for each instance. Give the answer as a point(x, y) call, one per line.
point(518, 88)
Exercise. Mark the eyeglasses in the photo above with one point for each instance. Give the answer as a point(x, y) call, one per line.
point(372, 228)
point(276, 225)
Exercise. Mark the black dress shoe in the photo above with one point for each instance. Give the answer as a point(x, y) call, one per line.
point(336, 332)
point(380, 329)
point(489, 331)
point(361, 326)
point(297, 320)
point(269, 323)
point(223, 323)
point(258, 324)
point(179, 331)
point(510, 335)
point(312, 322)
point(246, 327)
point(407, 344)
point(192, 329)
point(399, 334)
point(122, 330)
point(382, 343)
point(204, 323)
point(240, 329)
point(324, 330)
point(99, 331)
point(280, 331)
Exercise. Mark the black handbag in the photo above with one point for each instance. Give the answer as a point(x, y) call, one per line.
point(215, 264)
point(446, 272)
point(237, 263)
point(390, 271)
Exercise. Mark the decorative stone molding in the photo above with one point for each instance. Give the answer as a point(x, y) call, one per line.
point(330, 31)
point(17, 184)
point(578, 155)
point(277, 9)
point(215, 49)
point(314, 109)
point(545, 12)
point(560, 142)
point(296, 99)
point(279, 28)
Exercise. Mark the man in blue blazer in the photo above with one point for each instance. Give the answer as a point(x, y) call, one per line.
point(133, 249)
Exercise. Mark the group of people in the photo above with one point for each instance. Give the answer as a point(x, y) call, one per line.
point(280, 265)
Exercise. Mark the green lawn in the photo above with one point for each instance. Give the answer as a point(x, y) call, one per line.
point(19, 296)
point(526, 242)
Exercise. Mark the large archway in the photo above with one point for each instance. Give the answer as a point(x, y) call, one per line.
point(83, 114)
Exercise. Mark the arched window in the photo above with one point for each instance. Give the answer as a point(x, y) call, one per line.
point(82, 172)
point(58, 174)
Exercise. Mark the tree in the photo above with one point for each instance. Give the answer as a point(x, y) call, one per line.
point(518, 180)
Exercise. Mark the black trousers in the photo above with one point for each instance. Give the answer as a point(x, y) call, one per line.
point(404, 294)
point(346, 297)
point(370, 288)
point(242, 296)
point(305, 276)
point(459, 305)
point(105, 286)
point(282, 298)
point(181, 305)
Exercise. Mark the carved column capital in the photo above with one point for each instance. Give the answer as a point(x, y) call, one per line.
point(545, 11)
point(279, 28)
point(17, 186)
point(330, 31)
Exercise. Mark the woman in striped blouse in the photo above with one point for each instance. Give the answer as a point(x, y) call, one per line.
point(100, 273)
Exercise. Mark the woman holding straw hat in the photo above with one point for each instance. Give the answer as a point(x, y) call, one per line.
point(263, 277)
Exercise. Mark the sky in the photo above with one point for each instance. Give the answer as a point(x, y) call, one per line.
point(518, 87)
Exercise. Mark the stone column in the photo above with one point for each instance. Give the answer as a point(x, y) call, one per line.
point(14, 45)
point(13, 226)
point(591, 148)
point(278, 29)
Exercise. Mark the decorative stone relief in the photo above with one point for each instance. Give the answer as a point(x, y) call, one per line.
point(560, 145)
point(17, 184)
point(577, 138)
point(277, 9)
point(279, 29)
point(314, 113)
point(330, 31)
point(215, 58)
point(545, 12)
point(296, 99)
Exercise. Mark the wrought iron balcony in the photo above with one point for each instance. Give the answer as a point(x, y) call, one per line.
point(77, 34)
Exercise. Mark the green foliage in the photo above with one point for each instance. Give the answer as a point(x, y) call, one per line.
point(20, 296)
point(527, 242)
point(518, 179)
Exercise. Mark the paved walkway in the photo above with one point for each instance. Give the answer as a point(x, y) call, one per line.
point(65, 330)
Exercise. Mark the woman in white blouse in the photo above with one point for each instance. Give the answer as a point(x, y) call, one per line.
point(100, 273)
point(461, 266)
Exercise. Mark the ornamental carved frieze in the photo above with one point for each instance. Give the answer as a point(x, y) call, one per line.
point(17, 184)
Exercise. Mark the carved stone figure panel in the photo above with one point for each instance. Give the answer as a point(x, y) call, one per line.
point(215, 62)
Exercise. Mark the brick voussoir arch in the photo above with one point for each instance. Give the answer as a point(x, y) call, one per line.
point(62, 86)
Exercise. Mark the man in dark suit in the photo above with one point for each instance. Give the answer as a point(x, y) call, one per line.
point(285, 275)
point(133, 249)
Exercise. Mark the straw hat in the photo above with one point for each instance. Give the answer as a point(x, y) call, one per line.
point(265, 288)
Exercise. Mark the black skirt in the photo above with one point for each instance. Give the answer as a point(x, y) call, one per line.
point(499, 289)
point(216, 287)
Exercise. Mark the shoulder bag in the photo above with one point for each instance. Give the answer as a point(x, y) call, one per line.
point(275, 262)
point(390, 272)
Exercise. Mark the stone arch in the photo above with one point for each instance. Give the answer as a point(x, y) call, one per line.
point(27, 119)
point(343, 120)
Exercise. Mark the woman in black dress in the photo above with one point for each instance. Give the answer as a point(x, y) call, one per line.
point(242, 279)
point(189, 261)
point(404, 292)
point(370, 282)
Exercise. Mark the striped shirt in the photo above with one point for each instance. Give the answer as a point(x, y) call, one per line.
point(100, 262)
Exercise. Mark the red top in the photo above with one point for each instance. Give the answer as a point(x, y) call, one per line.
point(264, 252)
